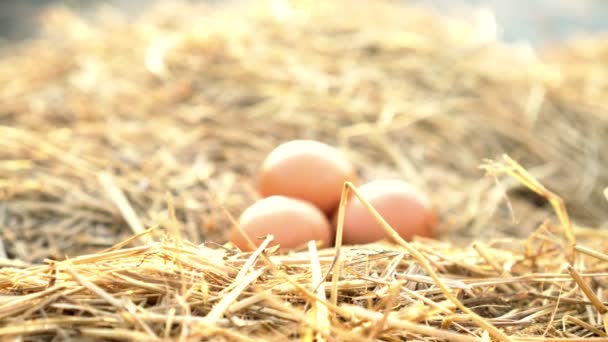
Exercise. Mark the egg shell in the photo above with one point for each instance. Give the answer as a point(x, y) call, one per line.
point(292, 222)
point(308, 170)
point(406, 209)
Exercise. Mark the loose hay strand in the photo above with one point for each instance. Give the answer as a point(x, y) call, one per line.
point(515, 170)
point(322, 313)
point(121, 202)
point(336, 265)
point(588, 251)
point(220, 308)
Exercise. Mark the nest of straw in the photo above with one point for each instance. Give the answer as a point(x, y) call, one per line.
point(153, 127)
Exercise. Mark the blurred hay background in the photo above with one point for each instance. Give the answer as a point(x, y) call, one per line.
point(114, 124)
point(187, 99)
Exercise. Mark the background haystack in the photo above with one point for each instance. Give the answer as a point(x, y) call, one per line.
point(115, 124)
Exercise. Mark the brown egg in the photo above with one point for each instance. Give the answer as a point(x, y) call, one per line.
point(292, 222)
point(308, 170)
point(406, 209)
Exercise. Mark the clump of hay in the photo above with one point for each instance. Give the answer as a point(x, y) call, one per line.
point(548, 287)
point(115, 124)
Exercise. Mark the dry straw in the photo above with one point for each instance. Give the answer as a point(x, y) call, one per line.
point(128, 143)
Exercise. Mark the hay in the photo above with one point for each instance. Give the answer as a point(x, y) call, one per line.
point(114, 124)
point(171, 288)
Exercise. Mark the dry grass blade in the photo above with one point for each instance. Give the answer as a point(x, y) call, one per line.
point(127, 310)
point(393, 293)
point(132, 238)
point(21, 303)
point(595, 254)
point(322, 314)
point(588, 291)
point(515, 170)
point(220, 308)
point(253, 258)
point(121, 202)
point(336, 266)
point(584, 325)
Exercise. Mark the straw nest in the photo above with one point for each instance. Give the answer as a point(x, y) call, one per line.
point(154, 127)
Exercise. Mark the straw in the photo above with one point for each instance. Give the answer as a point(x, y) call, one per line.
point(117, 129)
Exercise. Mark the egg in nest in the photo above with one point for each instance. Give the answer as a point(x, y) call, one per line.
point(308, 170)
point(291, 221)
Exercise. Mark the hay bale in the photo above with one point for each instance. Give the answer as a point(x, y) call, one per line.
point(110, 125)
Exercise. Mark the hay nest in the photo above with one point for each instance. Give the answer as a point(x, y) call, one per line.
point(113, 124)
